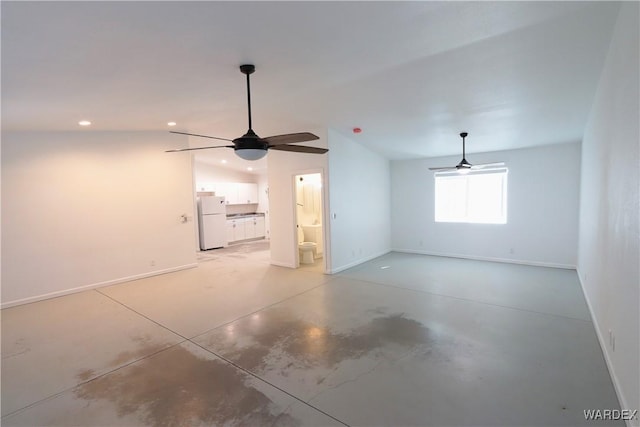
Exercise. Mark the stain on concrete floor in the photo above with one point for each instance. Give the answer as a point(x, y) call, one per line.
point(277, 337)
point(176, 387)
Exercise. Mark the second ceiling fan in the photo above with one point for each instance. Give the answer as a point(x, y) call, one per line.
point(250, 146)
point(464, 166)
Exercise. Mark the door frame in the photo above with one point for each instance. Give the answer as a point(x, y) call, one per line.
point(326, 254)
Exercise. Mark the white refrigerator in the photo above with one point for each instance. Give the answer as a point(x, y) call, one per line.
point(212, 221)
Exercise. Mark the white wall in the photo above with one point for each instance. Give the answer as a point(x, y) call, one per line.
point(359, 199)
point(84, 209)
point(282, 167)
point(609, 208)
point(542, 209)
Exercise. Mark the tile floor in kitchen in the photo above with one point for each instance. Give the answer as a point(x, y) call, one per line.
point(402, 340)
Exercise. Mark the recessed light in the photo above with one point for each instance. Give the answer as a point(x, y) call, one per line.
point(249, 168)
point(84, 123)
point(223, 161)
point(171, 123)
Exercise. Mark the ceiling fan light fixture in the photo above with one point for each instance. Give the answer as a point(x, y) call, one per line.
point(251, 153)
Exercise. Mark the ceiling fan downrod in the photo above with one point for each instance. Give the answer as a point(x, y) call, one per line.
point(248, 69)
point(463, 135)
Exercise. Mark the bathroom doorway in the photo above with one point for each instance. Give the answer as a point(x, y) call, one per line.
point(309, 222)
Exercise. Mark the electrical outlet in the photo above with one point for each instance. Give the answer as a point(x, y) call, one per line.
point(152, 263)
point(512, 251)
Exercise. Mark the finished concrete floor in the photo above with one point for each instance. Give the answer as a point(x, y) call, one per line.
point(402, 340)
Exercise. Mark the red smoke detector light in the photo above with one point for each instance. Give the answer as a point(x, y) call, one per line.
point(357, 130)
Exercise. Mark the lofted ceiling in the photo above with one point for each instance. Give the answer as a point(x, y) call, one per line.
point(412, 75)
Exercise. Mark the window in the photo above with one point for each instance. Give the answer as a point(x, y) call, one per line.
point(477, 197)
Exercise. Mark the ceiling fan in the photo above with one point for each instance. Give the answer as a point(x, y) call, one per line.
point(250, 146)
point(464, 166)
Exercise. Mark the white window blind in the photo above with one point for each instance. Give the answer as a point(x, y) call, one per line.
point(477, 197)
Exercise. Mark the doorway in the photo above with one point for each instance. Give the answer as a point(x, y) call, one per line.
point(309, 221)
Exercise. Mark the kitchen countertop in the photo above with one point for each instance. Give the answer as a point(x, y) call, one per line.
point(245, 215)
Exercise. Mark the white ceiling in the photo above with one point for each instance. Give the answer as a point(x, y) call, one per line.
point(412, 75)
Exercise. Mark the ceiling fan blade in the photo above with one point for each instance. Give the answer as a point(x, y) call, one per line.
point(446, 168)
point(298, 149)
point(202, 136)
point(487, 165)
point(177, 150)
point(290, 138)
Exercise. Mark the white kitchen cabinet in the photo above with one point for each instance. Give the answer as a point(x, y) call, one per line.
point(240, 233)
point(254, 227)
point(229, 190)
point(231, 227)
point(237, 193)
point(247, 192)
point(245, 228)
point(235, 230)
point(259, 225)
point(208, 187)
point(249, 228)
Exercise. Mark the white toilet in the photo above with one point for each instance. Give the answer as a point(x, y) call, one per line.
point(306, 248)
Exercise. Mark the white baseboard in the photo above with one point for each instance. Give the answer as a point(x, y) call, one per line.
point(491, 259)
point(358, 262)
point(282, 264)
point(93, 286)
point(603, 346)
